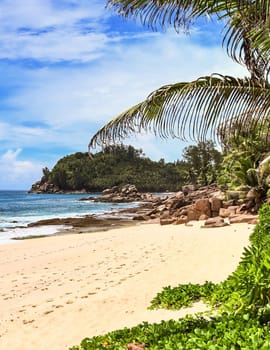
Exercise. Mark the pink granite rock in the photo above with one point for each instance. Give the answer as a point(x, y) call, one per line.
point(167, 221)
point(215, 222)
point(216, 204)
point(244, 218)
point(203, 206)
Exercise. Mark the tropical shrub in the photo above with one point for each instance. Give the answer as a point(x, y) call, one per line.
point(243, 164)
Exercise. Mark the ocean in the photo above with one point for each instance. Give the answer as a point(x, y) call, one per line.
point(19, 208)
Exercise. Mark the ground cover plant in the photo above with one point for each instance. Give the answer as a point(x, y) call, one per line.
point(190, 333)
point(240, 303)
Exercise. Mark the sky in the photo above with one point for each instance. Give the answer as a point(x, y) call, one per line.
point(69, 66)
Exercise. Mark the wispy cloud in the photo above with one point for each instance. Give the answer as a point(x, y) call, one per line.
point(51, 30)
point(38, 14)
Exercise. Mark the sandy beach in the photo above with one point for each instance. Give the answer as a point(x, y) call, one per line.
point(57, 290)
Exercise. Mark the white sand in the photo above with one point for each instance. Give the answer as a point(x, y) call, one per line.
point(55, 291)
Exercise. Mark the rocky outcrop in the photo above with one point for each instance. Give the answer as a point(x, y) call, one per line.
point(88, 221)
point(122, 194)
point(206, 204)
point(46, 187)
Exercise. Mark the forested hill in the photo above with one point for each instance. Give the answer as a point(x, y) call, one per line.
point(117, 165)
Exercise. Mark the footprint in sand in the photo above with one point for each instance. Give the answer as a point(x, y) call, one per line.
point(28, 321)
point(47, 312)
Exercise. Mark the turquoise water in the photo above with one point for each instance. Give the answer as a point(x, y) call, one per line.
point(19, 208)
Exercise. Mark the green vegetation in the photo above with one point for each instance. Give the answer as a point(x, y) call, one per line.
point(243, 158)
point(182, 296)
point(226, 332)
point(242, 308)
point(202, 163)
point(120, 165)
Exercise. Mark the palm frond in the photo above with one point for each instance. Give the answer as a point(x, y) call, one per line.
point(252, 16)
point(164, 13)
point(192, 110)
point(177, 12)
point(241, 43)
point(240, 48)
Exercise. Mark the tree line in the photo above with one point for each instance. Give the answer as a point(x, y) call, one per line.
point(119, 165)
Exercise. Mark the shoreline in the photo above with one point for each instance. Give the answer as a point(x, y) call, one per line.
point(58, 290)
point(55, 226)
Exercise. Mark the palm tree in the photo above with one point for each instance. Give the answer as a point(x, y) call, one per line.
point(210, 105)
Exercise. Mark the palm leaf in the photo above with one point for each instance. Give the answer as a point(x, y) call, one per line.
point(193, 110)
point(242, 17)
point(246, 45)
point(165, 13)
point(161, 13)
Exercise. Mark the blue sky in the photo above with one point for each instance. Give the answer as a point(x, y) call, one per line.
point(69, 66)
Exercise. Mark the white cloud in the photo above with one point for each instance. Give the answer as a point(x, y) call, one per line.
point(16, 173)
point(79, 99)
point(73, 103)
point(53, 46)
point(39, 14)
point(52, 30)
point(16, 135)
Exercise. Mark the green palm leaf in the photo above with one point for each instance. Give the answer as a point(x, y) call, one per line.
point(252, 17)
point(193, 109)
point(162, 13)
point(199, 109)
point(166, 12)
